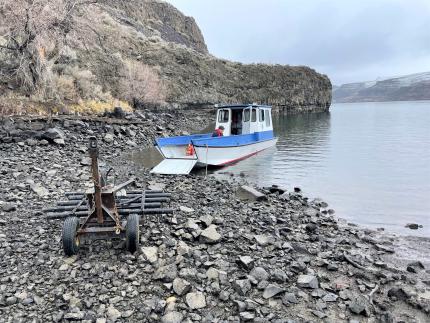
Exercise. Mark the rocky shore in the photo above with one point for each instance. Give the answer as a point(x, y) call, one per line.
point(227, 254)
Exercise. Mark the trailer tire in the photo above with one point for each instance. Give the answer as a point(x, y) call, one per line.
point(70, 238)
point(132, 233)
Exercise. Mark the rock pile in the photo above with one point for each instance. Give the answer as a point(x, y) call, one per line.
point(281, 258)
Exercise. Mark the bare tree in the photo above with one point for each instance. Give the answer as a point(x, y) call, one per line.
point(32, 34)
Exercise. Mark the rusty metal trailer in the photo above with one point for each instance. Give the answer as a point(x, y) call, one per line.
point(105, 211)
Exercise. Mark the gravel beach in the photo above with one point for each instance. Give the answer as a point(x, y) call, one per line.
point(225, 255)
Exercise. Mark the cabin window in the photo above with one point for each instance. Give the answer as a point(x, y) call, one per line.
point(261, 115)
point(254, 115)
point(267, 118)
point(223, 116)
point(246, 115)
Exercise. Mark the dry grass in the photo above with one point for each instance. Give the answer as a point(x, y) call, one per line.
point(17, 105)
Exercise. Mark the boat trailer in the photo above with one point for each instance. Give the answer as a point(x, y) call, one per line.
point(105, 211)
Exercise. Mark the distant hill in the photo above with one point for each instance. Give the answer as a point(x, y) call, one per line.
point(404, 88)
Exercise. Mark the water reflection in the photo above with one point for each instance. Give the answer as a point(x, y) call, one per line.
point(303, 144)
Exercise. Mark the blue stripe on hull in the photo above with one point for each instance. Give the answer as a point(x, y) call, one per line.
point(233, 141)
point(179, 140)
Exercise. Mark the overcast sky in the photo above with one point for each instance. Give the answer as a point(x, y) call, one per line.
point(349, 40)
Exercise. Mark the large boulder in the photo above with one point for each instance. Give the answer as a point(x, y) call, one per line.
point(249, 193)
point(54, 135)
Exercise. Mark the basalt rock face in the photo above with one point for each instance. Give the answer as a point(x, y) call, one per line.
point(205, 80)
point(109, 36)
point(159, 18)
point(160, 36)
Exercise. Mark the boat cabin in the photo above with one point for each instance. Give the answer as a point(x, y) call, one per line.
point(244, 119)
point(248, 129)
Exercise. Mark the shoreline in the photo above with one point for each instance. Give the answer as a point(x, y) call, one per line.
point(310, 265)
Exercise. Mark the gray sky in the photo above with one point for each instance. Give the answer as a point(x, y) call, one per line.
point(349, 40)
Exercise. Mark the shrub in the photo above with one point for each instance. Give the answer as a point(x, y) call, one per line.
point(65, 88)
point(87, 87)
point(141, 85)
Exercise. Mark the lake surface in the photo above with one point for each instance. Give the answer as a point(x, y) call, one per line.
point(369, 161)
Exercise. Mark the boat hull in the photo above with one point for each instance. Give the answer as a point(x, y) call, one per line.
point(221, 156)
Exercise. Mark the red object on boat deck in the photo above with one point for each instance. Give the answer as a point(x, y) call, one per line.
point(190, 150)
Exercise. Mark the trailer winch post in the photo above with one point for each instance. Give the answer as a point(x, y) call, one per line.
point(94, 154)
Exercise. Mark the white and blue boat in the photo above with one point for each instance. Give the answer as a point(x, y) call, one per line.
point(248, 129)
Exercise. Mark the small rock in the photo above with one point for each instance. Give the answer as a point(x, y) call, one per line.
point(8, 207)
point(271, 291)
point(311, 212)
point(52, 134)
point(39, 190)
point(398, 292)
point(247, 316)
point(259, 273)
point(384, 248)
point(108, 138)
point(359, 305)
point(181, 286)
point(166, 273)
point(330, 297)
point(413, 226)
point(210, 235)
point(59, 141)
point(279, 276)
point(64, 267)
point(127, 314)
point(183, 249)
point(172, 317)
point(195, 300)
point(415, 266)
point(262, 240)
point(307, 281)
point(186, 209)
point(11, 300)
point(212, 274)
point(242, 286)
point(206, 219)
point(319, 314)
point(74, 316)
point(311, 227)
point(289, 298)
point(113, 314)
point(246, 262)
point(151, 254)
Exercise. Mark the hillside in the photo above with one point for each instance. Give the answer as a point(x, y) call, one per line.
point(113, 44)
point(405, 88)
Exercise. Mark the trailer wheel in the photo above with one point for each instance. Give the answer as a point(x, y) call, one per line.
point(70, 238)
point(132, 233)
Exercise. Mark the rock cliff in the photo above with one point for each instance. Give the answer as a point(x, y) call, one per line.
point(113, 33)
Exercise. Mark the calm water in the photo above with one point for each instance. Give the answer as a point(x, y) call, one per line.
point(369, 161)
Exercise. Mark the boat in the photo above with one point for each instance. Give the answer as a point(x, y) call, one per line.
point(248, 129)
